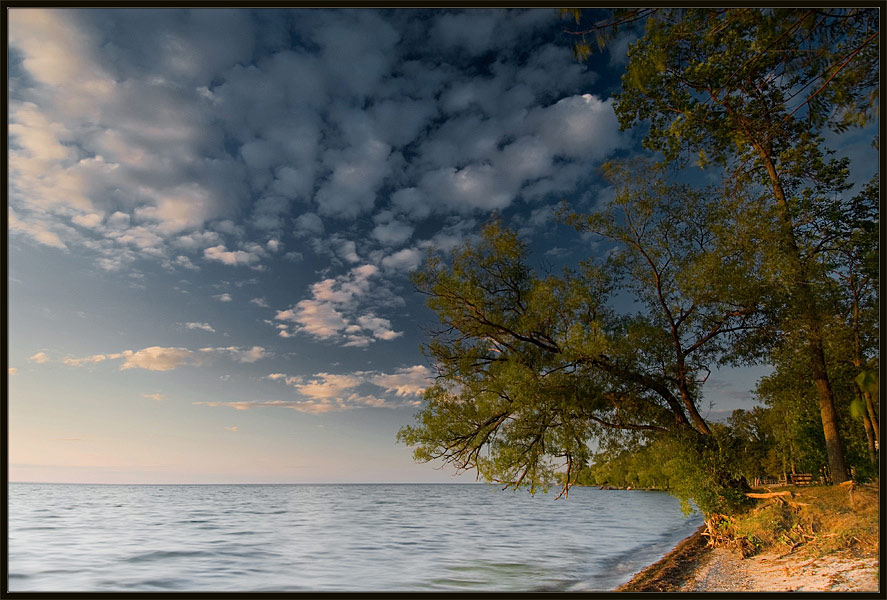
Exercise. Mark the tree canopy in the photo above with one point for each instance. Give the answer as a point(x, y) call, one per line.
point(542, 376)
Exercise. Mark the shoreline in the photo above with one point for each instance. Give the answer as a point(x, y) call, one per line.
point(673, 570)
point(693, 566)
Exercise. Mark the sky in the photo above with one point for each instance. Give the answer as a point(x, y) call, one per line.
point(213, 215)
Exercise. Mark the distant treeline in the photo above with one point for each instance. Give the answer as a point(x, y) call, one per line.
point(762, 444)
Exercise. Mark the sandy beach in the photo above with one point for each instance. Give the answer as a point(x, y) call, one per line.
point(724, 571)
point(694, 567)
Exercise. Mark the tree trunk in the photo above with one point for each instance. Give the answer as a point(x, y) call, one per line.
point(870, 439)
point(837, 467)
point(873, 417)
point(807, 304)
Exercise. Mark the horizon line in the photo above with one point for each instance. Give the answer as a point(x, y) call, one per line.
point(265, 483)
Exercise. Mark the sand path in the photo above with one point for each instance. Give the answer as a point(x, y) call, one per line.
point(724, 571)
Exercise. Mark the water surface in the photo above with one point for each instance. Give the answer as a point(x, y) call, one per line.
point(333, 537)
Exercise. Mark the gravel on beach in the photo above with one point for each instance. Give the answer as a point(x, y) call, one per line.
point(693, 566)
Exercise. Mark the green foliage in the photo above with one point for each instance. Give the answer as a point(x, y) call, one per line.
point(703, 471)
point(774, 263)
point(867, 380)
point(532, 368)
point(753, 91)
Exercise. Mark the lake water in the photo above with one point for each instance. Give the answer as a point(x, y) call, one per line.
point(333, 537)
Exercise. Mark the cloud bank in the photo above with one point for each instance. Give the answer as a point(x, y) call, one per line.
point(141, 135)
point(331, 392)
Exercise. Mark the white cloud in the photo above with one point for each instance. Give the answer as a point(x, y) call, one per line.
point(411, 202)
point(407, 259)
point(334, 310)
point(260, 302)
point(580, 127)
point(327, 385)
point(36, 229)
point(185, 262)
point(203, 326)
point(407, 381)
point(474, 187)
point(289, 380)
point(469, 31)
point(233, 258)
point(90, 220)
point(326, 392)
point(392, 233)
point(155, 397)
point(233, 429)
point(159, 358)
point(347, 250)
point(39, 358)
point(618, 49)
point(208, 141)
point(308, 224)
point(305, 406)
point(319, 319)
point(379, 327)
point(156, 358)
point(357, 172)
point(226, 297)
point(244, 355)
point(95, 358)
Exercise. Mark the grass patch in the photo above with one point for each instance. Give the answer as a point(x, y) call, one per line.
point(823, 519)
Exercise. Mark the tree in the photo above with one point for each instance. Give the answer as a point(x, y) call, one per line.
point(531, 369)
point(854, 338)
point(752, 90)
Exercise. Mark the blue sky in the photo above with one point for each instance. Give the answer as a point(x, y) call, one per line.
point(213, 215)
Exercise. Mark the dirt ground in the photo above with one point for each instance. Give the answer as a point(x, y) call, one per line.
point(722, 570)
point(694, 567)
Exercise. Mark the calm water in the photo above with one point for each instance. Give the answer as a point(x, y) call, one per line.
point(333, 537)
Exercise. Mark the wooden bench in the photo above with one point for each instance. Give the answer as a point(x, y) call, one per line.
point(802, 478)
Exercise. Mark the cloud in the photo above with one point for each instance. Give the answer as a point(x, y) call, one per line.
point(233, 258)
point(305, 406)
point(39, 358)
point(159, 358)
point(391, 232)
point(36, 229)
point(90, 220)
point(407, 259)
point(185, 263)
point(618, 49)
point(12, 370)
point(347, 250)
point(155, 397)
point(470, 188)
point(334, 310)
point(95, 358)
point(579, 127)
point(226, 297)
point(407, 381)
point(203, 326)
point(324, 386)
point(260, 302)
point(244, 355)
point(231, 429)
point(156, 358)
point(210, 141)
point(357, 172)
point(334, 392)
point(234, 405)
point(327, 392)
